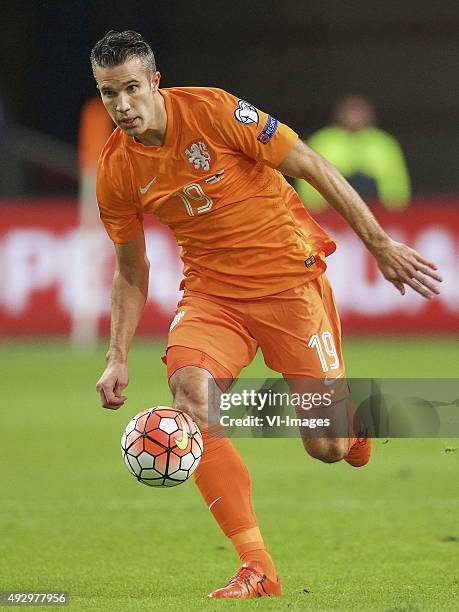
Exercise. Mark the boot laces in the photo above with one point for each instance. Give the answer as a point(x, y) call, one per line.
point(244, 573)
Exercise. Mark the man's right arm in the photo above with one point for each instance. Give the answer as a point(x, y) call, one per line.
point(129, 294)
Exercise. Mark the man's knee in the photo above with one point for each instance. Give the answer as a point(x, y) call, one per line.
point(328, 450)
point(190, 388)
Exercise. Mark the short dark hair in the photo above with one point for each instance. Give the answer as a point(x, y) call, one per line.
point(115, 48)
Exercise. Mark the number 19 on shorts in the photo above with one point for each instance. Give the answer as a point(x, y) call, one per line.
point(326, 350)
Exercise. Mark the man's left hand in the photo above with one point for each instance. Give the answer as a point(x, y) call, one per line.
point(402, 265)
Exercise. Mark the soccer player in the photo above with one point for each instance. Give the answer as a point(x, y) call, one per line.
point(210, 166)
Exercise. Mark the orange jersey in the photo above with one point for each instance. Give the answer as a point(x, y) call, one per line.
point(242, 229)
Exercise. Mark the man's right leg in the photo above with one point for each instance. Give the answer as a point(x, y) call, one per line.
point(222, 477)
point(208, 341)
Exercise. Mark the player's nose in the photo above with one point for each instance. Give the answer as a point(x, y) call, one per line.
point(122, 105)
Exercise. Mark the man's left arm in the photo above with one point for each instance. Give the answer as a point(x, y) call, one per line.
point(400, 264)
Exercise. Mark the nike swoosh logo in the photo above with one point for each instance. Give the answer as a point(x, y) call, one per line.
point(183, 443)
point(148, 185)
point(330, 381)
point(215, 501)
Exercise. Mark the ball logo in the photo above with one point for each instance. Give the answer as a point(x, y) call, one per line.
point(183, 443)
point(246, 113)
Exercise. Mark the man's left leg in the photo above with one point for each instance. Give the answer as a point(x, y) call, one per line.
point(299, 333)
point(345, 437)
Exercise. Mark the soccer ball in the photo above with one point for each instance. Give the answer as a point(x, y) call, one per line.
point(161, 446)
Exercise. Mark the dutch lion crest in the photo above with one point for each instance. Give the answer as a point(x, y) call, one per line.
point(198, 155)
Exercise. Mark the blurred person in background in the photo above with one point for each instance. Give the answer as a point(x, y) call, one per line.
point(370, 159)
point(95, 128)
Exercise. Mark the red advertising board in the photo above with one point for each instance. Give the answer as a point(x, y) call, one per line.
point(367, 302)
point(50, 269)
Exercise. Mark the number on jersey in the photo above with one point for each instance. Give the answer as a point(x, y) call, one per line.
point(191, 194)
point(326, 350)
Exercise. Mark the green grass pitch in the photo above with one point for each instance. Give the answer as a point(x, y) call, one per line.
point(384, 537)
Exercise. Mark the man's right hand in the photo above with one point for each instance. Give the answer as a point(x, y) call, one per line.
point(111, 384)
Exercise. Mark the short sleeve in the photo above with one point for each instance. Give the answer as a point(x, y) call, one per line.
point(121, 219)
point(252, 131)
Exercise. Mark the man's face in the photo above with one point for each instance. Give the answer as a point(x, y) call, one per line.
point(355, 113)
point(128, 93)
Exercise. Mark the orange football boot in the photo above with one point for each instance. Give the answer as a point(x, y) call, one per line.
point(248, 582)
point(360, 451)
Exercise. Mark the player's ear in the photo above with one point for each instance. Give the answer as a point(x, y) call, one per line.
point(155, 79)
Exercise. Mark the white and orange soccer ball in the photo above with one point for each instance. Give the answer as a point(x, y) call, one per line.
point(161, 446)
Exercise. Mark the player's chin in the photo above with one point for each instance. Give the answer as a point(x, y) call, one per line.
point(131, 131)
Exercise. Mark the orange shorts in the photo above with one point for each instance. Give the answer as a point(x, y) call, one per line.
point(298, 332)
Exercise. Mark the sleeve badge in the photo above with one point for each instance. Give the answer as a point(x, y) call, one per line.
point(246, 113)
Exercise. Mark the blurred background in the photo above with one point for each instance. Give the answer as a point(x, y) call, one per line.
point(372, 86)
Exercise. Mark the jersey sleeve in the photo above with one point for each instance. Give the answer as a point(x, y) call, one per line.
point(120, 217)
point(252, 131)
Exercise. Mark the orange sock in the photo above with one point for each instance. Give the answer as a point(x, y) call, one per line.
point(224, 482)
point(250, 547)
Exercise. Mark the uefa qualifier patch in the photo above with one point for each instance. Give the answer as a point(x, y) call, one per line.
point(246, 113)
point(268, 131)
